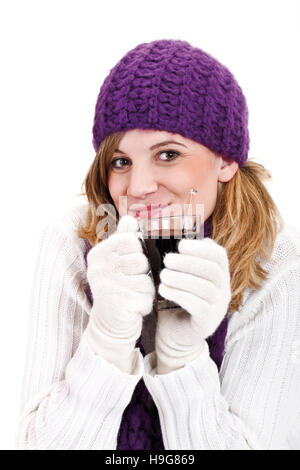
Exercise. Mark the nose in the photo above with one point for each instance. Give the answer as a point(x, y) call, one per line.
point(141, 182)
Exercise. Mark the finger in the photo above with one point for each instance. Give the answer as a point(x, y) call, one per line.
point(127, 223)
point(134, 263)
point(190, 303)
point(126, 240)
point(201, 267)
point(140, 303)
point(124, 243)
point(141, 283)
point(206, 249)
point(117, 244)
point(195, 285)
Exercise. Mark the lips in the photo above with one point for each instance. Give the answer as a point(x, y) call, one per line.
point(147, 210)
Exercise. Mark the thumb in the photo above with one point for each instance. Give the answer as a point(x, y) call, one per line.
point(127, 223)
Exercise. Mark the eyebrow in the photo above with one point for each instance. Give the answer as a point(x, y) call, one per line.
point(160, 144)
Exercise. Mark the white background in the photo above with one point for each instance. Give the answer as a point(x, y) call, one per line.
point(54, 58)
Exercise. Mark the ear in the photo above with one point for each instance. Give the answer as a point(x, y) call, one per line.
point(227, 169)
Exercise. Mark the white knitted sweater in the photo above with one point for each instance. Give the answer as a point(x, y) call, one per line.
point(74, 399)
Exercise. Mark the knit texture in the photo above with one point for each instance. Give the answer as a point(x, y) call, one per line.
point(73, 399)
point(140, 426)
point(171, 85)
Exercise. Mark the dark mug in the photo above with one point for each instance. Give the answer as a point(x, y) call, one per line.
point(162, 241)
point(155, 249)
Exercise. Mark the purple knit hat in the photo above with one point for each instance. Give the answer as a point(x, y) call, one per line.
point(172, 86)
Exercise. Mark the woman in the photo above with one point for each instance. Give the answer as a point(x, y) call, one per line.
point(221, 371)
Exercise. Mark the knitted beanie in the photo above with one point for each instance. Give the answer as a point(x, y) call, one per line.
point(170, 85)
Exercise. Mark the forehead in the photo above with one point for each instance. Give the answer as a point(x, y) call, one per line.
point(148, 137)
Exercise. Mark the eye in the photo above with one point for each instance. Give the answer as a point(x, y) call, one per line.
point(119, 163)
point(168, 152)
point(113, 163)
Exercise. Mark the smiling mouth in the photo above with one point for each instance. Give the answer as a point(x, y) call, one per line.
point(149, 210)
point(146, 207)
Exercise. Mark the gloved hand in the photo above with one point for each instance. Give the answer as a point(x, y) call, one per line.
point(198, 280)
point(122, 294)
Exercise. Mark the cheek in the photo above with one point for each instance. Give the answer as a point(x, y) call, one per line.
point(115, 188)
point(201, 169)
point(202, 176)
point(198, 173)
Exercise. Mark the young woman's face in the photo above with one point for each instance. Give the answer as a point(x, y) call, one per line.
point(148, 170)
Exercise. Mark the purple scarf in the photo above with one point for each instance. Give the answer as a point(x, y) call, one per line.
point(140, 426)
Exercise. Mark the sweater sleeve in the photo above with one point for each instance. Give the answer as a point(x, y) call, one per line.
point(253, 402)
point(71, 398)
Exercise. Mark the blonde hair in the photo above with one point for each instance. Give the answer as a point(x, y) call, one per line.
point(245, 220)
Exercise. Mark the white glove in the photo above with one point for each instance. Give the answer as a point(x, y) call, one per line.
point(122, 294)
point(198, 280)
